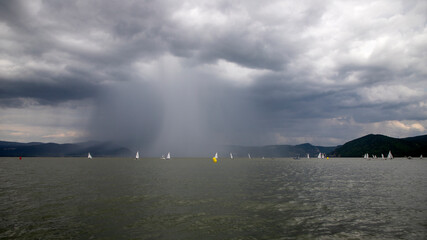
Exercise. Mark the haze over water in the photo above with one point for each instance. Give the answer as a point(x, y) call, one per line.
point(111, 198)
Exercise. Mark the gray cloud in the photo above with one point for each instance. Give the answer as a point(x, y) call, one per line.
point(170, 76)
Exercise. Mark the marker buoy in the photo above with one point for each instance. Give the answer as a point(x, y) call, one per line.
point(214, 160)
point(20, 158)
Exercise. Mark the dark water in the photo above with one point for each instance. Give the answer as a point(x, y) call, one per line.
point(106, 198)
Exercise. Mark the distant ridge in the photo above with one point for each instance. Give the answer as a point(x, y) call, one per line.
point(372, 144)
point(379, 144)
point(280, 150)
point(36, 149)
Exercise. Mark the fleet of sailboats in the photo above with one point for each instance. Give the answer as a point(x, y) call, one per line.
point(320, 156)
point(389, 156)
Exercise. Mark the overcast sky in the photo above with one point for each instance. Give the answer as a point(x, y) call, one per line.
point(179, 75)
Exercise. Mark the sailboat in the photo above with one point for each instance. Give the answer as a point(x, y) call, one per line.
point(421, 156)
point(168, 156)
point(308, 155)
point(137, 156)
point(389, 156)
point(163, 157)
point(231, 155)
point(382, 156)
point(89, 156)
point(214, 159)
point(249, 155)
point(320, 155)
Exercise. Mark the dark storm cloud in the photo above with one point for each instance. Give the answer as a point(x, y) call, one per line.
point(170, 75)
point(45, 92)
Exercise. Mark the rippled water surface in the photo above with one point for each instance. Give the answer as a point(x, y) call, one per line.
point(112, 198)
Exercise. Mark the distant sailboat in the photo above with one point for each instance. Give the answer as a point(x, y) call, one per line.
point(320, 155)
point(231, 155)
point(89, 156)
point(421, 156)
point(389, 156)
point(163, 157)
point(249, 155)
point(168, 156)
point(382, 156)
point(308, 155)
point(215, 158)
point(137, 156)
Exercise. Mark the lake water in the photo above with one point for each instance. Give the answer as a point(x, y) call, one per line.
point(113, 198)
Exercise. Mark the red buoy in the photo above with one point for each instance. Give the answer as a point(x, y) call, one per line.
point(20, 158)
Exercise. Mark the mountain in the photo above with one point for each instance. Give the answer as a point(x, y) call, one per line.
point(36, 149)
point(372, 144)
point(377, 144)
point(279, 150)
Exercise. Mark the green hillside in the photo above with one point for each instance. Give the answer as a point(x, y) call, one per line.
point(379, 144)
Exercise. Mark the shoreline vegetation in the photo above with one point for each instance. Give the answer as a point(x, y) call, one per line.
point(373, 144)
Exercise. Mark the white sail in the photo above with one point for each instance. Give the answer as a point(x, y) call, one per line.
point(89, 156)
point(249, 155)
point(389, 156)
point(421, 156)
point(308, 155)
point(320, 155)
point(216, 155)
point(137, 155)
point(382, 156)
point(323, 155)
point(168, 156)
point(231, 155)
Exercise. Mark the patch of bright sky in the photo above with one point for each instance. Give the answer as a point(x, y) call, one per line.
point(388, 94)
point(60, 124)
point(199, 16)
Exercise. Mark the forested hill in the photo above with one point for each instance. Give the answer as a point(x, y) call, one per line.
point(379, 144)
point(371, 144)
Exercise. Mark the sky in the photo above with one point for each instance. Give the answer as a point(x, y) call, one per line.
point(182, 76)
